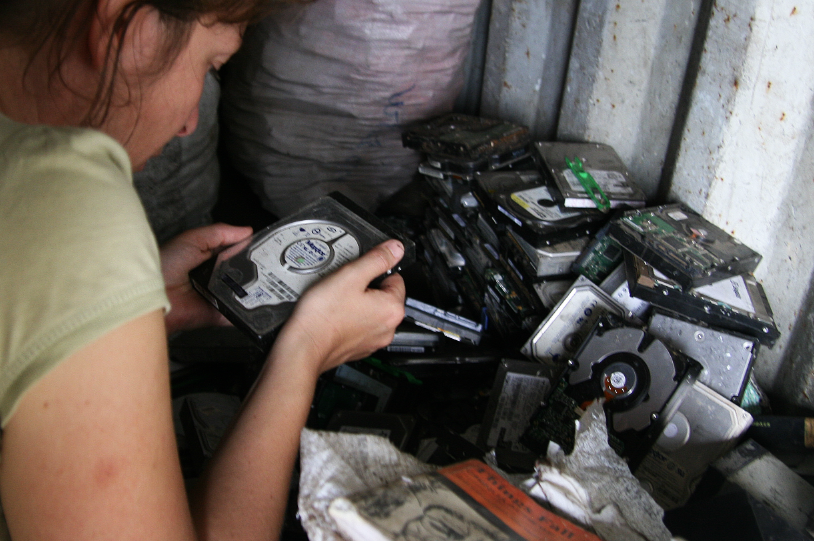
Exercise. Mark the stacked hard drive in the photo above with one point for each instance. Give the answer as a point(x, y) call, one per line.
point(551, 255)
point(541, 280)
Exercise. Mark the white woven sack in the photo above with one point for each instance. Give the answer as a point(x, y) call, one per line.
point(319, 93)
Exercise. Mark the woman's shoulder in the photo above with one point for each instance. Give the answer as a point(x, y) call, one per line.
point(50, 174)
point(68, 192)
point(31, 150)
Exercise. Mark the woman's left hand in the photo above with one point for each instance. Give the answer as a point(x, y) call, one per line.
point(182, 254)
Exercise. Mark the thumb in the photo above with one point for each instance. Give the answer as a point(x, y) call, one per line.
point(377, 261)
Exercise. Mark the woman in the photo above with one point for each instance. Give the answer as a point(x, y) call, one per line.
point(88, 447)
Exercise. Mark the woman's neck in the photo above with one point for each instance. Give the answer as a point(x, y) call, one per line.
point(34, 94)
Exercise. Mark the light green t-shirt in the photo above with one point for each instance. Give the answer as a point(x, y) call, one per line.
point(77, 255)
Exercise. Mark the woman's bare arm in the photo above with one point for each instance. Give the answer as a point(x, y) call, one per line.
point(246, 486)
point(90, 452)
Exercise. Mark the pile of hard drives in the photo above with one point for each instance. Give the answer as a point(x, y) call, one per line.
point(544, 280)
point(545, 277)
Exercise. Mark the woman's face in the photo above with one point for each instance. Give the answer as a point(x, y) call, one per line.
point(150, 110)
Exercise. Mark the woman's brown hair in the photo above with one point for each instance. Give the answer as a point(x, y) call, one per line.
point(54, 27)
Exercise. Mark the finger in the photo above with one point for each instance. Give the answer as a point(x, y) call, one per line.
point(207, 238)
point(216, 235)
point(394, 285)
point(377, 261)
point(230, 234)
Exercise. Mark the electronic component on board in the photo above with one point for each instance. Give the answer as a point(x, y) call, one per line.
point(737, 303)
point(519, 389)
point(256, 282)
point(683, 245)
point(566, 163)
point(599, 258)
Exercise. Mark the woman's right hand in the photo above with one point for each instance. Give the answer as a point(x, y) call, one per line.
point(341, 318)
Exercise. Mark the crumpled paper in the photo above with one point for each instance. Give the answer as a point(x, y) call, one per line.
point(334, 464)
point(593, 486)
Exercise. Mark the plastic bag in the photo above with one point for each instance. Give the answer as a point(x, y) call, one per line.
point(317, 97)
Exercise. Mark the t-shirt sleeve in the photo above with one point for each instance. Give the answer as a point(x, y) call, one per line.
point(79, 256)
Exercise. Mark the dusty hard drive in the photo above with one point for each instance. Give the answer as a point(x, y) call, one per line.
point(525, 202)
point(518, 390)
point(256, 282)
point(727, 358)
point(639, 378)
point(636, 374)
point(561, 333)
point(465, 168)
point(437, 320)
point(701, 427)
point(547, 260)
point(737, 303)
point(589, 175)
point(466, 136)
point(683, 245)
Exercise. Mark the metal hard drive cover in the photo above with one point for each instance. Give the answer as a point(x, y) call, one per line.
point(561, 333)
point(523, 198)
point(703, 427)
point(465, 136)
point(603, 164)
point(465, 168)
point(487, 229)
point(552, 260)
point(453, 223)
point(637, 374)
point(616, 285)
point(683, 245)
point(727, 358)
point(256, 282)
point(552, 290)
point(437, 320)
point(443, 246)
point(737, 303)
point(410, 338)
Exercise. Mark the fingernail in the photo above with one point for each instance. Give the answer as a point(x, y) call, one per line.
point(396, 248)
